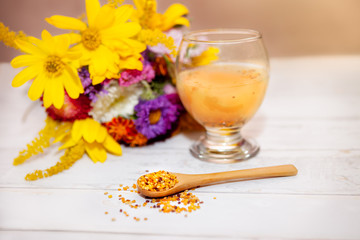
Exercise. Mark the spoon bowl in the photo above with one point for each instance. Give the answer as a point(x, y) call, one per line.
point(189, 181)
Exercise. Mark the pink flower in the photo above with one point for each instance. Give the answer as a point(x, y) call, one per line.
point(132, 76)
point(169, 89)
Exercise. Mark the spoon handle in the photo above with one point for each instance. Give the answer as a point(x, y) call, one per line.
point(263, 172)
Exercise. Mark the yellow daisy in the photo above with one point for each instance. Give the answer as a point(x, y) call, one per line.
point(51, 64)
point(105, 40)
point(146, 14)
point(97, 140)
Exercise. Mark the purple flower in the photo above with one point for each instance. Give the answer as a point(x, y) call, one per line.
point(90, 90)
point(84, 76)
point(175, 100)
point(131, 76)
point(155, 117)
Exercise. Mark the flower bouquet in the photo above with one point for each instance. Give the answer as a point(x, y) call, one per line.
point(108, 81)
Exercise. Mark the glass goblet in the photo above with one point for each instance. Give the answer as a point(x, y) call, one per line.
point(222, 76)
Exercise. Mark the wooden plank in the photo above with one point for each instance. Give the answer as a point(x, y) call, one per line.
point(229, 215)
point(275, 134)
point(78, 235)
point(320, 172)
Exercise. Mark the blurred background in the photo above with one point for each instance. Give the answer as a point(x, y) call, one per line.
point(289, 27)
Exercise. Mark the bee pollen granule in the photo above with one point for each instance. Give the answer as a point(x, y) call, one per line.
point(157, 181)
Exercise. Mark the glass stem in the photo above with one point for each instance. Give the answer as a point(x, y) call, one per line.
point(223, 139)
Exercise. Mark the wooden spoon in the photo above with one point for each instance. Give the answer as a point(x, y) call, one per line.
point(189, 181)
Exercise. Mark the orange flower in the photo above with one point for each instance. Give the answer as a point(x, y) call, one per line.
point(160, 66)
point(118, 127)
point(124, 130)
point(137, 140)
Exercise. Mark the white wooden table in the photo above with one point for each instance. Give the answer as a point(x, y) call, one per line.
point(310, 118)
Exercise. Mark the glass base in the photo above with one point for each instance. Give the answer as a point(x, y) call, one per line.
point(218, 147)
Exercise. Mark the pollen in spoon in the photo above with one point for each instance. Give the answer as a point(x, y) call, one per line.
point(157, 181)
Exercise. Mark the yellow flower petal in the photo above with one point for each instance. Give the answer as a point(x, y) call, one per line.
point(72, 54)
point(85, 54)
point(134, 45)
point(74, 37)
point(77, 129)
point(62, 44)
point(98, 67)
point(69, 143)
point(33, 40)
point(103, 59)
point(26, 75)
point(131, 63)
point(139, 4)
point(47, 94)
point(112, 146)
point(92, 10)
point(97, 79)
point(46, 37)
point(57, 91)
point(66, 22)
point(174, 12)
point(71, 85)
point(121, 31)
point(182, 21)
point(105, 17)
point(74, 77)
point(101, 135)
point(25, 60)
point(123, 13)
point(37, 87)
point(29, 48)
point(91, 130)
point(96, 152)
point(49, 42)
point(40, 44)
point(64, 137)
point(73, 74)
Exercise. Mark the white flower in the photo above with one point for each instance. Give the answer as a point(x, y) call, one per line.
point(119, 101)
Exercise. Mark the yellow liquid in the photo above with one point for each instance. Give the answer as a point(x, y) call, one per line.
point(222, 95)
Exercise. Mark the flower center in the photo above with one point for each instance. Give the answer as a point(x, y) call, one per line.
point(53, 65)
point(91, 38)
point(154, 116)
